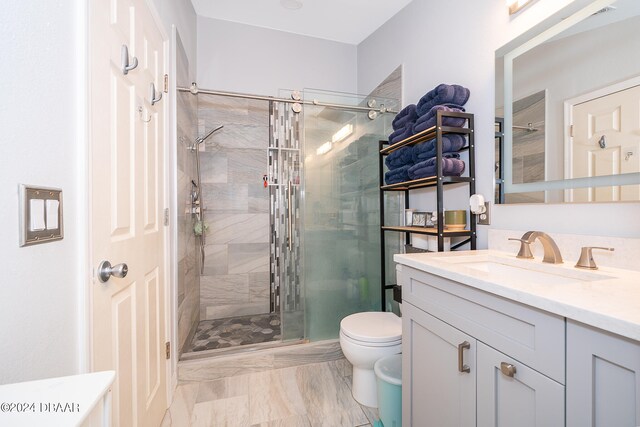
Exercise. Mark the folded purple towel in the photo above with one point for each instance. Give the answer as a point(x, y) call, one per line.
point(405, 121)
point(428, 120)
point(400, 174)
point(450, 167)
point(406, 115)
point(443, 94)
point(451, 142)
point(400, 157)
point(401, 134)
point(396, 133)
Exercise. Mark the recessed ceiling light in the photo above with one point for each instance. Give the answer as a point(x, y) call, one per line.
point(291, 4)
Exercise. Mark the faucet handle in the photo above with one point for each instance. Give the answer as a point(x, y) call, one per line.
point(586, 257)
point(525, 249)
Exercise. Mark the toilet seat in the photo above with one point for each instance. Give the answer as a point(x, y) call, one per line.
point(372, 328)
point(369, 343)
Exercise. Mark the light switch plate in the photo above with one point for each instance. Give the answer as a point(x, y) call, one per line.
point(485, 218)
point(44, 224)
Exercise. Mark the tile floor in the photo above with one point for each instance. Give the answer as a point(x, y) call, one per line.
point(235, 331)
point(310, 395)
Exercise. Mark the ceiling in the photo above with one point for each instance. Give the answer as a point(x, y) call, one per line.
point(346, 21)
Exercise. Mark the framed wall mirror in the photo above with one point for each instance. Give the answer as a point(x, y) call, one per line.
point(568, 108)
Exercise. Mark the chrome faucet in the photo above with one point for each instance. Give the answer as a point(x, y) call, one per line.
point(551, 250)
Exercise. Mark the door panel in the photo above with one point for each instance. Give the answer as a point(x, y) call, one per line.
point(528, 399)
point(153, 341)
point(605, 129)
point(122, 155)
point(123, 321)
point(151, 144)
point(127, 189)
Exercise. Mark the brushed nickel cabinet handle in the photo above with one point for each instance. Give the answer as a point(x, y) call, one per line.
point(461, 348)
point(507, 369)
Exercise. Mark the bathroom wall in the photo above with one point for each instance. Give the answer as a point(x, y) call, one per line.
point(181, 14)
point(43, 287)
point(236, 271)
point(188, 248)
point(244, 58)
point(454, 42)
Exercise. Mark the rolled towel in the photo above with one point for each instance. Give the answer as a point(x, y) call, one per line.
point(400, 157)
point(406, 115)
point(400, 174)
point(428, 120)
point(401, 134)
point(443, 94)
point(451, 142)
point(450, 167)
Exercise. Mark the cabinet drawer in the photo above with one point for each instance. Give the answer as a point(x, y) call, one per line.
point(533, 337)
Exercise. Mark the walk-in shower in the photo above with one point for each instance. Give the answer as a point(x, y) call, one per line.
point(291, 234)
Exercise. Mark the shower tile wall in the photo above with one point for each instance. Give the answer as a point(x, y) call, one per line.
point(236, 271)
point(188, 245)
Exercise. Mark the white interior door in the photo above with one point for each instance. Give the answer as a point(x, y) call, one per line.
point(127, 193)
point(606, 141)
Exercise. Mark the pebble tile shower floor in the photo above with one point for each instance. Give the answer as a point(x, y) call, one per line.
point(235, 331)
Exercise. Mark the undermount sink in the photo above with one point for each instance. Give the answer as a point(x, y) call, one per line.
point(524, 270)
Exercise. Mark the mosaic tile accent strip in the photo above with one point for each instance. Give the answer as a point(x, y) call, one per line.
point(236, 331)
point(285, 171)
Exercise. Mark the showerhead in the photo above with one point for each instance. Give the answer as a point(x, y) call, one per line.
point(202, 139)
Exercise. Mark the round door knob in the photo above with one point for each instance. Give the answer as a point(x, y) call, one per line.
point(105, 271)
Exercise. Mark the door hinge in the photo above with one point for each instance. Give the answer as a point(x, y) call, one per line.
point(166, 216)
point(167, 349)
point(166, 83)
point(571, 131)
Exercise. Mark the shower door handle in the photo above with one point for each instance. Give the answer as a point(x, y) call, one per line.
point(290, 216)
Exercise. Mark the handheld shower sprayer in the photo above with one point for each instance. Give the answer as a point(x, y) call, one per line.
point(199, 140)
point(197, 204)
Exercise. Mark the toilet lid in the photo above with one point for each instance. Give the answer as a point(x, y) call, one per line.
point(372, 327)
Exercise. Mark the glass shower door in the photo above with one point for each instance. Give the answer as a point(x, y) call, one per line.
point(340, 210)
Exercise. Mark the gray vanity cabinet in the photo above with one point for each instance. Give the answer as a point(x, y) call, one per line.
point(474, 359)
point(603, 378)
point(435, 391)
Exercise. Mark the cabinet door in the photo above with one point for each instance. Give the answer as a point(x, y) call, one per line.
point(435, 391)
point(603, 378)
point(520, 397)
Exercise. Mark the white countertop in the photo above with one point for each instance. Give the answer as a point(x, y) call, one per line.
point(64, 401)
point(606, 298)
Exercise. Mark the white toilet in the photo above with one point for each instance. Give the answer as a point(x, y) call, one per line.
point(365, 338)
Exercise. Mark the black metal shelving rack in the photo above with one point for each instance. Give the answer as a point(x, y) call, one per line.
point(499, 170)
point(438, 181)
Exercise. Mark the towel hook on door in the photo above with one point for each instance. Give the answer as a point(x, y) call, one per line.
point(124, 59)
point(602, 142)
point(153, 93)
point(141, 111)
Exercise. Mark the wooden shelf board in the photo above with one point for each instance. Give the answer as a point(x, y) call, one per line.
point(430, 181)
point(429, 231)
